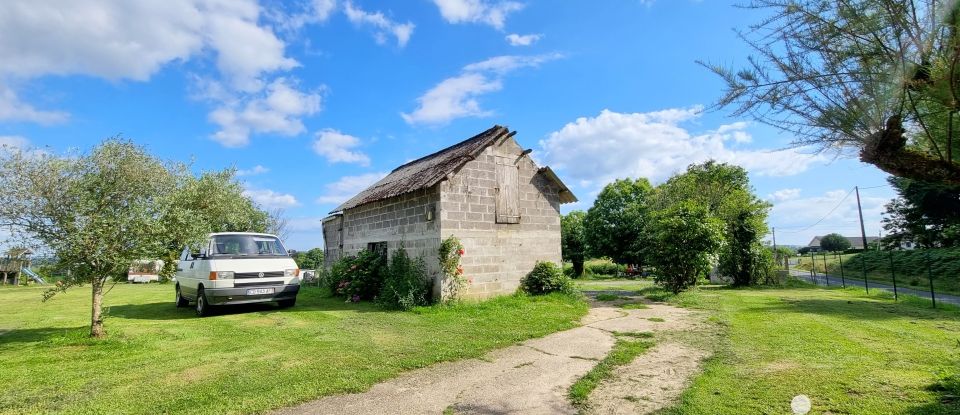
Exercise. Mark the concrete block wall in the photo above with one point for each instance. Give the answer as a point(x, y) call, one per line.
point(498, 256)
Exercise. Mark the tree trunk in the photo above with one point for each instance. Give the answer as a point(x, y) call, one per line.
point(887, 150)
point(96, 311)
point(578, 268)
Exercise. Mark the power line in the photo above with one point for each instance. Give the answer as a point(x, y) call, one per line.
point(825, 216)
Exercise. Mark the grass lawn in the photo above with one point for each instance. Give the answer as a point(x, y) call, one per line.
point(160, 359)
point(850, 353)
point(910, 267)
point(612, 284)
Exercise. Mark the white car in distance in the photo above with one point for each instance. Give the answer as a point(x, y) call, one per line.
point(236, 268)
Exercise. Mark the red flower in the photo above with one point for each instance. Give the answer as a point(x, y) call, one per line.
point(460, 252)
point(470, 280)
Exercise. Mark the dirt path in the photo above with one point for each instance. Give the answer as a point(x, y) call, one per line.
point(533, 377)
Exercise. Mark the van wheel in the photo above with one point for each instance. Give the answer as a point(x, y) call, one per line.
point(287, 303)
point(203, 309)
point(181, 302)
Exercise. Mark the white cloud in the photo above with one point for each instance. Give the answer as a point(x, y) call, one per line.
point(13, 142)
point(12, 109)
point(477, 11)
point(348, 186)
point(523, 40)
point(269, 199)
point(312, 12)
point(383, 25)
point(596, 150)
point(456, 97)
point(336, 147)
point(255, 170)
point(797, 219)
point(784, 194)
point(277, 110)
point(307, 224)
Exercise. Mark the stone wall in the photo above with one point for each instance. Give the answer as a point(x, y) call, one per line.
point(499, 255)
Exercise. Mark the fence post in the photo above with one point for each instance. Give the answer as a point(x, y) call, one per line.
point(813, 271)
point(893, 274)
point(933, 298)
point(826, 275)
point(843, 281)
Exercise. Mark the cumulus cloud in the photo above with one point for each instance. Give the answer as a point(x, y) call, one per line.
point(523, 40)
point(784, 194)
point(302, 14)
point(456, 97)
point(253, 171)
point(597, 150)
point(270, 199)
point(277, 109)
point(12, 109)
point(796, 219)
point(348, 186)
point(382, 25)
point(337, 147)
point(477, 11)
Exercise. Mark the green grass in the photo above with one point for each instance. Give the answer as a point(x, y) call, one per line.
point(607, 297)
point(627, 348)
point(612, 285)
point(850, 353)
point(634, 306)
point(910, 267)
point(160, 359)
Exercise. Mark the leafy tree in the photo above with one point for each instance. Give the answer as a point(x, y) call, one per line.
point(613, 226)
point(573, 241)
point(684, 238)
point(312, 259)
point(99, 212)
point(874, 77)
point(925, 213)
point(724, 191)
point(834, 242)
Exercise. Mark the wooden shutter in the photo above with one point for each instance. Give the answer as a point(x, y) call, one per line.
point(508, 193)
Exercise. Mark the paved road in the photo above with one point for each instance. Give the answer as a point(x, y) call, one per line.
point(836, 281)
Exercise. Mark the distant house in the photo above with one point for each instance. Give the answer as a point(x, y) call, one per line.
point(486, 191)
point(856, 242)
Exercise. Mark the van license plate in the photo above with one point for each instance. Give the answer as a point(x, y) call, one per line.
point(259, 291)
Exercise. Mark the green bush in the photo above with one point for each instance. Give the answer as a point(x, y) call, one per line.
point(406, 284)
point(546, 277)
point(357, 277)
point(606, 268)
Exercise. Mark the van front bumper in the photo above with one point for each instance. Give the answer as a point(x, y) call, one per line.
point(238, 295)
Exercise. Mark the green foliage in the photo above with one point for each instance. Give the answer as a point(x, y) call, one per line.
point(449, 254)
point(911, 266)
point(627, 348)
point(573, 243)
point(406, 284)
point(312, 259)
point(924, 213)
point(546, 277)
point(605, 268)
point(607, 297)
point(358, 278)
point(613, 226)
point(834, 242)
point(684, 239)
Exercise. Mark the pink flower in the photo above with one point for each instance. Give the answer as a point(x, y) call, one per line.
point(470, 280)
point(461, 252)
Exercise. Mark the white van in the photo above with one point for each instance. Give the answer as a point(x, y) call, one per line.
point(236, 268)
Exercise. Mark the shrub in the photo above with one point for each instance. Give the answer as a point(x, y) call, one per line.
point(606, 268)
point(406, 284)
point(449, 254)
point(357, 277)
point(546, 277)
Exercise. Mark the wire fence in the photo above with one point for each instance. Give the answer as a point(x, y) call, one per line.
point(839, 270)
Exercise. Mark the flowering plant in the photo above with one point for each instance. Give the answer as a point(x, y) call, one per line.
point(450, 253)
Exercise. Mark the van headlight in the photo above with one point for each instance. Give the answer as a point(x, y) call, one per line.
point(224, 275)
point(291, 272)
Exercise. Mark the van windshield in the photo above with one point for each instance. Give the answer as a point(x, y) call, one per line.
point(247, 245)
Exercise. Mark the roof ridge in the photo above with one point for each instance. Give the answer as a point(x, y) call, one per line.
point(444, 150)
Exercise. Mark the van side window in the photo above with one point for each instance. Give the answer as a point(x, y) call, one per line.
point(185, 254)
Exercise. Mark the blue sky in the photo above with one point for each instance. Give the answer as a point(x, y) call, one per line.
point(313, 100)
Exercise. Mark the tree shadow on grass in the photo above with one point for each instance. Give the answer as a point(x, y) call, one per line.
point(42, 334)
point(168, 311)
point(854, 308)
point(947, 398)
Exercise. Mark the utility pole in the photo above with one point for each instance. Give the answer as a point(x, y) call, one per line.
point(776, 254)
point(863, 233)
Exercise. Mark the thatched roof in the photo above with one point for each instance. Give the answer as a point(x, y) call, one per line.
point(429, 170)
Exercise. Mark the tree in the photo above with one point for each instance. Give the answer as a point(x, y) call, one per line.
point(278, 224)
point(312, 259)
point(724, 191)
point(99, 212)
point(876, 77)
point(572, 240)
point(684, 239)
point(924, 213)
point(613, 226)
point(834, 242)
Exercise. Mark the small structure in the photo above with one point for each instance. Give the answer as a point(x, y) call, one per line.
point(856, 242)
point(145, 270)
point(12, 264)
point(486, 191)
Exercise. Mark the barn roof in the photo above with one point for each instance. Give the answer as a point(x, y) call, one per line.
point(429, 170)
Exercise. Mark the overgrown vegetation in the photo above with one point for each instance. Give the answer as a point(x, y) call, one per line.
point(910, 267)
point(546, 277)
point(358, 278)
point(406, 284)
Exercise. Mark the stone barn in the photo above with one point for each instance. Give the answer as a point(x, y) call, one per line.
point(486, 191)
